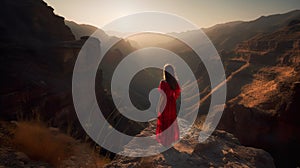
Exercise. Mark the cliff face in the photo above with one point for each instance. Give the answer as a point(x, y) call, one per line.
point(38, 52)
point(262, 113)
point(31, 22)
point(36, 56)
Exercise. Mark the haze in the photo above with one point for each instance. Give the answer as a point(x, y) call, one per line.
point(202, 13)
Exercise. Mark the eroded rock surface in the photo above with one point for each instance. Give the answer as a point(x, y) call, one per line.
point(221, 149)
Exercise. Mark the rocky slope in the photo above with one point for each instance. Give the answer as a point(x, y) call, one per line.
point(220, 150)
point(262, 113)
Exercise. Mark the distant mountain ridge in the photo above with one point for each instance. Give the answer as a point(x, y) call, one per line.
point(226, 36)
point(80, 30)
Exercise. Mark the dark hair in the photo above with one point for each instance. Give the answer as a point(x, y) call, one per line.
point(170, 76)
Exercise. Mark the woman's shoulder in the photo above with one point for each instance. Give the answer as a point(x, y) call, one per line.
point(165, 83)
point(162, 83)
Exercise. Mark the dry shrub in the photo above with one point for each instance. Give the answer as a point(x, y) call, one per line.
point(40, 143)
point(102, 161)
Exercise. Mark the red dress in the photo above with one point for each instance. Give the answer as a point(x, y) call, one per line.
point(168, 116)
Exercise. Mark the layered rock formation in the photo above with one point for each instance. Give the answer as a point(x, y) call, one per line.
point(262, 113)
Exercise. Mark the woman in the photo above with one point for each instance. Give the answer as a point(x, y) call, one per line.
point(167, 131)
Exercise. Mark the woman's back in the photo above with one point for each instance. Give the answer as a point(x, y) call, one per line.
point(167, 117)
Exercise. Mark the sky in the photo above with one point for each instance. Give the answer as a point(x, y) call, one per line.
point(204, 13)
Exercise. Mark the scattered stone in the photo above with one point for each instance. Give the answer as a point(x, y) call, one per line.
point(221, 149)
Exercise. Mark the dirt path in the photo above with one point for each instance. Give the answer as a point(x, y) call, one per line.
point(225, 81)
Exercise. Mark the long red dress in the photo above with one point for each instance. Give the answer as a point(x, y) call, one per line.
point(168, 116)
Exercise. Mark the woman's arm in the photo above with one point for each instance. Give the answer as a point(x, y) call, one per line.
point(162, 98)
point(161, 102)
